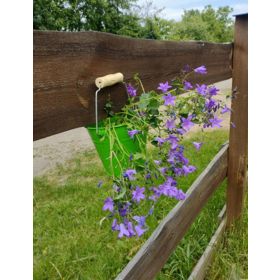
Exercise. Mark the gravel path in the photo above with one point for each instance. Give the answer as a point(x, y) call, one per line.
point(56, 149)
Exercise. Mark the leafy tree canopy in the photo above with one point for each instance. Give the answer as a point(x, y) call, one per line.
point(206, 25)
point(126, 17)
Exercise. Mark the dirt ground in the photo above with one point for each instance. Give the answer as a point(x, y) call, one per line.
point(56, 149)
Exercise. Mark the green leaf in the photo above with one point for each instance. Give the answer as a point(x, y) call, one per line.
point(144, 100)
point(138, 156)
point(121, 195)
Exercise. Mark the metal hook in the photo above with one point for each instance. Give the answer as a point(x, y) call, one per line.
point(96, 110)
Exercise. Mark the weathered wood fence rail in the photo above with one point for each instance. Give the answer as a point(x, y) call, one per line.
point(67, 63)
point(65, 67)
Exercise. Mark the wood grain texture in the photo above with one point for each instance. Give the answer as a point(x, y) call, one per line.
point(67, 63)
point(200, 269)
point(238, 148)
point(154, 253)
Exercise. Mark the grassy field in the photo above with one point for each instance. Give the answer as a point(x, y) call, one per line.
point(69, 242)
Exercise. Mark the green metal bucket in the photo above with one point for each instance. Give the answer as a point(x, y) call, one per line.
point(117, 158)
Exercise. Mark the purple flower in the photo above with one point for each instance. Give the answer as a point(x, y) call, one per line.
point(164, 87)
point(159, 140)
point(123, 231)
point(197, 145)
point(115, 225)
point(139, 230)
point(183, 159)
point(170, 124)
point(163, 170)
point(131, 90)
point(215, 122)
point(99, 184)
point(129, 174)
point(180, 195)
point(130, 229)
point(173, 140)
point(124, 209)
point(187, 68)
point(138, 194)
point(213, 90)
point(201, 70)
point(131, 133)
point(178, 171)
point(148, 176)
point(187, 85)
point(141, 220)
point(201, 89)
point(188, 169)
point(233, 124)
point(187, 124)
point(210, 103)
point(157, 162)
point(180, 131)
point(108, 204)
point(169, 99)
point(225, 110)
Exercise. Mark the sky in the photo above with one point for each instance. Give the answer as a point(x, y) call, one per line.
point(174, 8)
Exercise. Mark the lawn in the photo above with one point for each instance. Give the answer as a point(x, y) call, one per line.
point(70, 243)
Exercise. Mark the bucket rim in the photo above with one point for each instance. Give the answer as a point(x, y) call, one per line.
point(93, 127)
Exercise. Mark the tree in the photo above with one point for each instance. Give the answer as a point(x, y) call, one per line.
point(75, 15)
point(206, 25)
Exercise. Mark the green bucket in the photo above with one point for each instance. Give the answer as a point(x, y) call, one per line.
point(121, 144)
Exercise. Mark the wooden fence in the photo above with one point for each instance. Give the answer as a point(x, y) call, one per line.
point(65, 67)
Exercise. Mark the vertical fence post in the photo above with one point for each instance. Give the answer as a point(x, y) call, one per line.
point(238, 140)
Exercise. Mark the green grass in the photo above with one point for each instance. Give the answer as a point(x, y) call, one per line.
point(69, 242)
point(231, 258)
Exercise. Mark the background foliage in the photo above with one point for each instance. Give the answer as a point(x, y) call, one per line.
point(126, 17)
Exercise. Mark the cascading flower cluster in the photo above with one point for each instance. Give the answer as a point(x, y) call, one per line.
point(168, 116)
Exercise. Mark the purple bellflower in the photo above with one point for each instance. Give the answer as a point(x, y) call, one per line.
point(187, 68)
point(123, 231)
point(169, 99)
point(141, 220)
point(159, 140)
point(187, 85)
point(215, 122)
point(213, 90)
point(115, 225)
point(225, 110)
point(164, 87)
point(197, 145)
point(131, 90)
point(187, 124)
point(138, 194)
point(129, 173)
point(188, 169)
point(131, 133)
point(210, 103)
point(170, 124)
point(201, 70)
point(201, 89)
point(173, 140)
point(108, 204)
point(130, 229)
point(139, 230)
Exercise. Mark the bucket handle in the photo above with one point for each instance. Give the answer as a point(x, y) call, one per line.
point(102, 82)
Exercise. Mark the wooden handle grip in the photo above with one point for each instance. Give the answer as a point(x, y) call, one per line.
point(109, 80)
